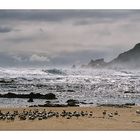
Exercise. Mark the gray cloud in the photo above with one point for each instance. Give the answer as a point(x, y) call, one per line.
point(59, 15)
point(35, 37)
point(20, 39)
point(5, 29)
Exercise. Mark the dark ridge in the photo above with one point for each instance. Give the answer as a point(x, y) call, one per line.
point(128, 59)
point(133, 54)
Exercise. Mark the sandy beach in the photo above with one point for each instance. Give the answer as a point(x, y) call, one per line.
point(127, 119)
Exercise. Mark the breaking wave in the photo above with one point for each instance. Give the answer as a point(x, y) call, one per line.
point(88, 85)
point(54, 71)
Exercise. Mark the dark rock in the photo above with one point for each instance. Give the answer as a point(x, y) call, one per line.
point(6, 81)
point(63, 90)
point(49, 96)
point(86, 103)
point(58, 78)
point(10, 95)
point(30, 100)
point(33, 106)
point(47, 102)
point(53, 105)
point(72, 102)
point(130, 104)
point(70, 90)
point(129, 92)
point(90, 103)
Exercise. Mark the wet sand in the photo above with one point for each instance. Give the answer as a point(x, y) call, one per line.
point(126, 120)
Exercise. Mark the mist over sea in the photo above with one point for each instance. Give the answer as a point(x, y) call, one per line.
point(89, 86)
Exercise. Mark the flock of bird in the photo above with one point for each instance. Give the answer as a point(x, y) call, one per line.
point(36, 114)
point(43, 115)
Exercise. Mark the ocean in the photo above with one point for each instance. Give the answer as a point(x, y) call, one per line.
point(89, 86)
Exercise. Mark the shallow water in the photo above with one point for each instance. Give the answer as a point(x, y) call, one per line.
point(89, 86)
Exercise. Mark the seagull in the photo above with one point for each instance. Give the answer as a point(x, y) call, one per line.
point(137, 111)
point(22, 117)
point(57, 115)
point(40, 118)
point(90, 114)
point(77, 115)
point(82, 113)
point(116, 113)
point(104, 113)
point(68, 117)
point(110, 115)
point(15, 112)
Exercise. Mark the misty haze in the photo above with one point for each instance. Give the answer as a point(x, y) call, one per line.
point(67, 60)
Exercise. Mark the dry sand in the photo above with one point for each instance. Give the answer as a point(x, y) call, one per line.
point(127, 120)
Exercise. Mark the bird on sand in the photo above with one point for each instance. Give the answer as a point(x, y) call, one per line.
point(116, 113)
point(137, 111)
point(104, 113)
point(110, 115)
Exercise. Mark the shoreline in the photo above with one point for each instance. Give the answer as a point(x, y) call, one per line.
point(53, 105)
point(127, 119)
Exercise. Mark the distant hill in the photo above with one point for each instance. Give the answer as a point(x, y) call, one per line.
point(128, 59)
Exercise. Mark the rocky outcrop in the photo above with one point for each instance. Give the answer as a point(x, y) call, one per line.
point(30, 100)
point(50, 105)
point(49, 96)
point(98, 63)
point(72, 102)
point(4, 81)
point(128, 59)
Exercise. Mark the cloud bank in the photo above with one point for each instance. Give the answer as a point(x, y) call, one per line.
point(65, 37)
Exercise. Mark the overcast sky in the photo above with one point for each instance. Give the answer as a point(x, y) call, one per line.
point(65, 37)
